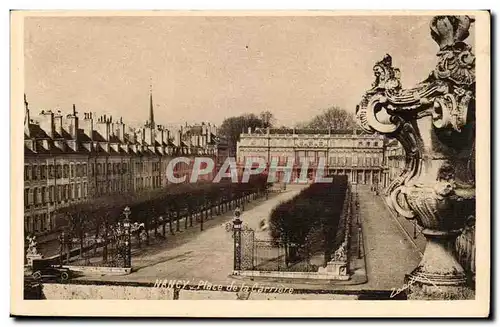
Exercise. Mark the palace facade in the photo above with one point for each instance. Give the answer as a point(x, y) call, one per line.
point(69, 158)
point(347, 152)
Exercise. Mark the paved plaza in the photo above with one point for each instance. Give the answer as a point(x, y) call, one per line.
point(389, 252)
point(196, 256)
point(207, 255)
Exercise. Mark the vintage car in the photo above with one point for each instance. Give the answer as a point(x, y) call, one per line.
point(43, 270)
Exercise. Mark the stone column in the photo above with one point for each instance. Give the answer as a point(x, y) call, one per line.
point(435, 123)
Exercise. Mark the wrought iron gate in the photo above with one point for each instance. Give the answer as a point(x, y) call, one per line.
point(247, 249)
point(268, 255)
point(86, 250)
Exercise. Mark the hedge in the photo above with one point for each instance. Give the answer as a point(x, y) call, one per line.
point(311, 218)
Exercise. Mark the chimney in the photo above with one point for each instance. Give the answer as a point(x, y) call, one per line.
point(60, 142)
point(140, 136)
point(87, 124)
point(58, 123)
point(102, 127)
point(71, 124)
point(149, 134)
point(204, 140)
point(111, 127)
point(160, 134)
point(133, 140)
point(46, 119)
point(119, 130)
point(208, 135)
point(177, 138)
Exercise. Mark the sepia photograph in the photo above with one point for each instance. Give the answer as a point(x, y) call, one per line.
point(291, 157)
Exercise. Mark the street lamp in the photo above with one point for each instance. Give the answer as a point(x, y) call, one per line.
point(128, 243)
point(237, 222)
point(359, 242)
point(62, 239)
point(162, 222)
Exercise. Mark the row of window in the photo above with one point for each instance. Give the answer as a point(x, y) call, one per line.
point(333, 161)
point(38, 223)
point(141, 166)
point(147, 182)
point(308, 142)
point(56, 193)
point(395, 163)
point(319, 154)
point(368, 143)
point(41, 172)
point(355, 161)
point(396, 152)
point(112, 186)
point(109, 169)
point(365, 178)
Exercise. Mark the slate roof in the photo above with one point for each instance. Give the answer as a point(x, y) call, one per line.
point(97, 137)
point(37, 135)
point(36, 132)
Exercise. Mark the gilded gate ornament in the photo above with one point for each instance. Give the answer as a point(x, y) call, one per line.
point(435, 123)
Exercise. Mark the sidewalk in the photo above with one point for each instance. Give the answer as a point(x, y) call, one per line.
point(412, 230)
point(389, 253)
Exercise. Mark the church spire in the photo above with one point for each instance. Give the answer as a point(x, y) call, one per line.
point(151, 113)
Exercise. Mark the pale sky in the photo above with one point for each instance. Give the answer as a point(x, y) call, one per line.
point(210, 68)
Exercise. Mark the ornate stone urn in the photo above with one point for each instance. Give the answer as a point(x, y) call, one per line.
point(435, 123)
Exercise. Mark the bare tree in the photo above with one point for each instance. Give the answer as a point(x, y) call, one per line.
point(333, 117)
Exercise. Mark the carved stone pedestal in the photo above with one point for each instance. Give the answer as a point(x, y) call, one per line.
point(30, 257)
point(435, 123)
point(439, 276)
point(335, 268)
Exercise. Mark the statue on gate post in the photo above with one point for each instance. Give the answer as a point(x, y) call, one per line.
point(32, 252)
point(435, 123)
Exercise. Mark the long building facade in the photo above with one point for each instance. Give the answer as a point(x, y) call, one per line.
point(347, 152)
point(72, 158)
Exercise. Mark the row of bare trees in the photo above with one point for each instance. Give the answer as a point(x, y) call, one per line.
point(156, 209)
